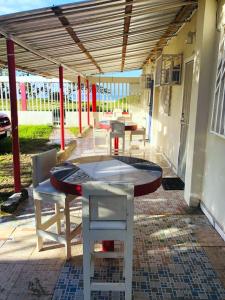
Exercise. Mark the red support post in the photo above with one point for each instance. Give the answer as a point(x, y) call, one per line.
point(94, 96)
point(61, 101)
point(14, 114)
point(79, 105)
point(23, 96)
point(88, 103)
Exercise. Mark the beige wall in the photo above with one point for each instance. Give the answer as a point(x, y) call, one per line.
point(213, 196)
point(206, 158)
point(166, 129)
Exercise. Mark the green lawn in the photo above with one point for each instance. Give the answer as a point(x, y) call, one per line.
point(74, 130)
point(33, 139)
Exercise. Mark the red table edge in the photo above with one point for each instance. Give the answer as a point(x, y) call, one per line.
point(127, 127)
point(139, 190)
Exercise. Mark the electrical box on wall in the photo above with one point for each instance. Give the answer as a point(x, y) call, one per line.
point(168, 69)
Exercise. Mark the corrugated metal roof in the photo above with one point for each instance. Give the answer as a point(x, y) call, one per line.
point(90, 37)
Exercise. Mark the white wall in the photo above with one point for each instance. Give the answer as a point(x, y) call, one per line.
point(213, 195)
point(45, 118)
point(166, 129)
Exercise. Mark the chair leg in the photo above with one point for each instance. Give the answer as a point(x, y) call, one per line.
point(58, 222)
point(92, 247)
point(37, 206)
point(67, 229)
point(123, 143)
point(87, 267)
point(128, 261)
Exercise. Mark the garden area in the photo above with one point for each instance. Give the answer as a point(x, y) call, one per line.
point(33, 139)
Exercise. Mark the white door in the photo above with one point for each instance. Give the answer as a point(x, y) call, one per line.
point(185, 119)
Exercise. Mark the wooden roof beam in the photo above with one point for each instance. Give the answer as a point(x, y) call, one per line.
point(181, 17)
point(31, 49)
point(66, 24)
point(32, 71)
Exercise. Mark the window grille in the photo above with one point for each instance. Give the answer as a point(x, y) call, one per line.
point(218, 112)
point(168, 69)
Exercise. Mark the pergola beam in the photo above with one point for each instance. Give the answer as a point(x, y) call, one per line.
point(31, 49)
point(66, 24)
point(183, 13)
point(126, 28)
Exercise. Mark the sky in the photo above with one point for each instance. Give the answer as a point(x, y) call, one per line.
point(12, 6)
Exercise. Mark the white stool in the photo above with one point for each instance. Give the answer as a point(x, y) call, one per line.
point(117, 132)
point(138, 132)
point(43, 191)
point(107, 212)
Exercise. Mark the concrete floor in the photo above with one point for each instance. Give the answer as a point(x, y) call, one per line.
point(177, 253)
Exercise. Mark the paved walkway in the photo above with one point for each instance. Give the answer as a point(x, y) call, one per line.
point(55, 136)
point(177, 253)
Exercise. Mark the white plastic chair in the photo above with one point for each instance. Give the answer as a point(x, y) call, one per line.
point(117, 131)
point(44, 191)
point(137, 142)
point(100, 138)
point(107, 213)
point(141, 132)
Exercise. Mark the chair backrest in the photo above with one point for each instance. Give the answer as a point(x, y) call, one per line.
point(103, 201)
point(117, 112)
point(121, 119)
point(42, 164)
point(117, 127)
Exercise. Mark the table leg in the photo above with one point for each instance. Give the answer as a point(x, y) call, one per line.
point(116, 145)
point(107, 246)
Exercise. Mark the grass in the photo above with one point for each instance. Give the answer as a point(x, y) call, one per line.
point(74, 130)
point(33, 139)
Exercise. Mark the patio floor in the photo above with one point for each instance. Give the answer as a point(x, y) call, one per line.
point(177, 253)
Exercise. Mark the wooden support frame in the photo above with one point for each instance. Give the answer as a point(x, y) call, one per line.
point(127, 19)
point(183, 14)
point(65, 22)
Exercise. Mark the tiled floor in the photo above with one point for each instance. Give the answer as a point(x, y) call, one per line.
point(177, 253)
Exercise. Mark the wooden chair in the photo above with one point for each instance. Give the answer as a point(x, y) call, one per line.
point(117, 132)
point(137, 142)
point(138, 132)
point(43, 191)
point(107, 214)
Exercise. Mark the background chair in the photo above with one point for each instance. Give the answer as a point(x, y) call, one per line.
point(137, 142)
point(100, 138)
point(44, 191)
point(117, 132)
point(107, 214)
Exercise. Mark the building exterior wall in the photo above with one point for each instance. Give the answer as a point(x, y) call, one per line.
point(205, 173)
point(213, 195)
point(167, 128)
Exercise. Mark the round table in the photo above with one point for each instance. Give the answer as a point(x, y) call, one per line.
point(69, 176)
point(129, 125)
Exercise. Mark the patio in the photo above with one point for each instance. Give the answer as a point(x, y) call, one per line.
point(177, 253)
point(179, 237)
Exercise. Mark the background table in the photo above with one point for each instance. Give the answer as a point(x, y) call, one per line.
point(69, 176)
point(129, 125)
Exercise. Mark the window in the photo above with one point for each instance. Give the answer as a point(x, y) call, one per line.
point(218, 113)
point(168, 69)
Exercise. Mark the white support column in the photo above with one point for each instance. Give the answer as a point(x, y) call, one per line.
point(202, 87)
